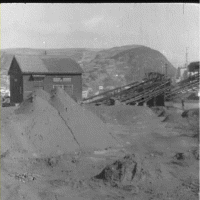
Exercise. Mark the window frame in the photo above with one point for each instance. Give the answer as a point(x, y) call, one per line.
point(58, 86)
point(39, 87)
point(37, 78)
point(67, 79)
point(62, 79)
point(65, 86)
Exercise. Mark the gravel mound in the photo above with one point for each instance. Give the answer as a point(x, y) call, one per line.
point(122, 114)
point(88, 129)
point(41, 129)
point(51, 124)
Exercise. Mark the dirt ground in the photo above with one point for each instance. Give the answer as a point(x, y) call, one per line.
point(163, 158)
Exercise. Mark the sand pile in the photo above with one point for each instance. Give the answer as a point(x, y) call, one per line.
point(122, 114)
point(41, 129)
point(51, 124)
point(88, 129)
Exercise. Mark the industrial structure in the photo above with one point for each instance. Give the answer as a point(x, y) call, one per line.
point(154, 90)
point(193, 67)
point(29, 72)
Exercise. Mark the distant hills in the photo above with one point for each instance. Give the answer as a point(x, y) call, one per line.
point(106, 67)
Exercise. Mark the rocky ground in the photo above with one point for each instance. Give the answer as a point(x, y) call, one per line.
point(148, 154)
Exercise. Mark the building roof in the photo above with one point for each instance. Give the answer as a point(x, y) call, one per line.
point(48, 64)
point(61, 65)
point(6, 60)
point(31, 64)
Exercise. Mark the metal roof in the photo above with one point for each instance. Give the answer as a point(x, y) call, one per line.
point(48, 64)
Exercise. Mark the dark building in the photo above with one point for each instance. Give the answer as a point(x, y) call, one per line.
point(193, 67)
point(29, 72)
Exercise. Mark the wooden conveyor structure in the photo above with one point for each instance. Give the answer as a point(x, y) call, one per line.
point(192, 83)
point(142, 92)
point(171, 92)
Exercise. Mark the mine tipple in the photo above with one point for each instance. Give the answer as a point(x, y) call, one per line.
point(153, 90)
point(154, 85)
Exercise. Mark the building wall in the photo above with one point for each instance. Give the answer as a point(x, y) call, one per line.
point(16, 88)
point(16, 83)
point(21, 86)
point(49, 83)
point(77, 82)
point(27, 85)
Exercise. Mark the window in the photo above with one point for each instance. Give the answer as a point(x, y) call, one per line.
point(56, 79)
point(67, 79)
point(37, 78)
point(61, 79)
point(61, 86)
point(39, 87)
point(66, 88)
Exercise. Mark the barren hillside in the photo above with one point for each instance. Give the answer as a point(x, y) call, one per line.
point(107, 67)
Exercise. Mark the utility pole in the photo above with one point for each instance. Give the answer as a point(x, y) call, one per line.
point(186, 61)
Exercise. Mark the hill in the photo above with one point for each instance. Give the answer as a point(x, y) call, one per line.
point(112, 67)
point(123, 65)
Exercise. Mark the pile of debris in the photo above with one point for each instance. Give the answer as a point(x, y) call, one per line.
point(121, 173)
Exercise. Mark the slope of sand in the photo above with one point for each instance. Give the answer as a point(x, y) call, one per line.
point(51, 124)
point(159, 176)
point(88, 129)
point(147, 131)
point(41, 129)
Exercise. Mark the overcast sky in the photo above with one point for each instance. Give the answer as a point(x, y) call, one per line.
point(169, 28)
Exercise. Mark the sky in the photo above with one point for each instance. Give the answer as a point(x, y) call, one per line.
point(168, 28)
